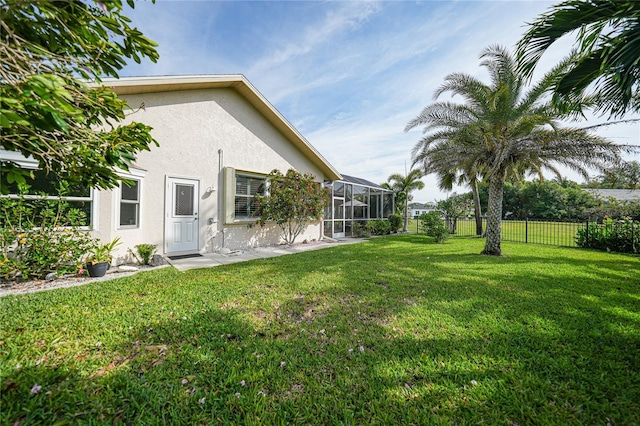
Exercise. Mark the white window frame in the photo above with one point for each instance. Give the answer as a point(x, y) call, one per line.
point(138, 176)
point(32, 164)
point(248, 196)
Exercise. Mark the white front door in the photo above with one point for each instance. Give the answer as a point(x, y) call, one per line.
point(181, 215)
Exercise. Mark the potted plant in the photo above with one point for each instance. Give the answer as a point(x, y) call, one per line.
point(99, 259)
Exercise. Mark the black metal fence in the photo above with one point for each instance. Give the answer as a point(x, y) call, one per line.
point(615, 235)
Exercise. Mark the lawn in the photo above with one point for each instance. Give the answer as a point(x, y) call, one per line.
point(397, 330)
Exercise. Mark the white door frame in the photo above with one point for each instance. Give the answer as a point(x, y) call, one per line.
point(338, 234)
point(181, 231)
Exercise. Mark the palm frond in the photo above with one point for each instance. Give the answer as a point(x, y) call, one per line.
point(606, 65)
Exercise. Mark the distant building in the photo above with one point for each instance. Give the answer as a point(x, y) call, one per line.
point(618, 194)
point(416, 209)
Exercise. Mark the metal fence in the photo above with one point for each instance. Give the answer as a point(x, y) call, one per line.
point(617, 235)
point(524, 231)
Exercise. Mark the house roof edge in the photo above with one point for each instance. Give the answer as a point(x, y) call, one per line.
point(238, 82)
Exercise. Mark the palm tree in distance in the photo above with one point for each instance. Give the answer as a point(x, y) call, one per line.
point(502, 131)
point(403, 186)
point(606, 62)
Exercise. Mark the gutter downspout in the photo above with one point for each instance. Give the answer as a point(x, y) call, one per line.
point(220, 193)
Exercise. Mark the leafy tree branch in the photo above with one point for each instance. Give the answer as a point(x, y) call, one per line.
point(48, 110)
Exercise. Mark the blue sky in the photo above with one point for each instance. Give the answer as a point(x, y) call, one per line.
point(347, 75)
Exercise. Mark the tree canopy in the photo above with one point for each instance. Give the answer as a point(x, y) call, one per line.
point(625, 175)
point(291, 201)
point(547, 200)
point(453, 207)
point(502, 130)
point(52, 105)
point(605, 64)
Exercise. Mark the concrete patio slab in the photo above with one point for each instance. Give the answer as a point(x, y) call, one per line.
point(210, 260)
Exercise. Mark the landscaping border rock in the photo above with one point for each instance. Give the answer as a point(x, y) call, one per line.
point(23, 287)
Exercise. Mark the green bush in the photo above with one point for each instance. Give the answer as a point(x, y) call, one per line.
point(614, 209)
point(611, 235)
point(395, 221)
point(379, 227)
point(40, 236)
point(433, 226)
point(360, 231)
point(143, 253)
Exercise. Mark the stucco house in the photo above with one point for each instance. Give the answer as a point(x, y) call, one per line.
point(416, 209)
point(219, 138)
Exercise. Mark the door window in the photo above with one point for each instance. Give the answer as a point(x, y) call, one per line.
point(184, 200)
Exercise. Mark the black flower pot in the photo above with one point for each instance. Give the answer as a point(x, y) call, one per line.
point(97, 269)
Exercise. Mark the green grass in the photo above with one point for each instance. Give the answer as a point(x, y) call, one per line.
point(394, 331)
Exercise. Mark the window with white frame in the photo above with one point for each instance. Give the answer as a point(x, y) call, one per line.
point(129, 212)
point(47, 186)
point(247, 186)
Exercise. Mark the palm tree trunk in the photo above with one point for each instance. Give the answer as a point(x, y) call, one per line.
point(494, 215)
point(406, 214)
point(476, 207)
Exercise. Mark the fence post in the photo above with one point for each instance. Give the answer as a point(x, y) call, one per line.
point(526, 230)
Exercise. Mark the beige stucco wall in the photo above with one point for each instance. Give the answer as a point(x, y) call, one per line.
point(191, 127)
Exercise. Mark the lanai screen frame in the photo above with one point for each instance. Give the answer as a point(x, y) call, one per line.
point(355, 200)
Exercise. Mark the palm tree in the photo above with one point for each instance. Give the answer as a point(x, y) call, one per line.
point(502, 131)
point(607, 53)
point(403, 186)
point(398, 198)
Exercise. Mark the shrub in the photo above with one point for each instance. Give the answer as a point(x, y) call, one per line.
point(611, 235)
point(433, 226)
point(40, 236)
point(379, 227)
point(614, 209)
point(293, 201)
point(143, 253)
point(395, 221)
point(360, 231)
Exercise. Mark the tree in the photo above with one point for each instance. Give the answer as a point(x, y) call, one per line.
point(606, 59)
point(292, 201)
point(502, 131)
point(546, 200)
point(446, 180)
point(433, 226)
point(625, 175)
point(48, 110)
point(403, 186)
point(398, 197)
point(453, 207)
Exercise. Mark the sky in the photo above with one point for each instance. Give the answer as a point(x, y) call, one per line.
point(349, 75)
